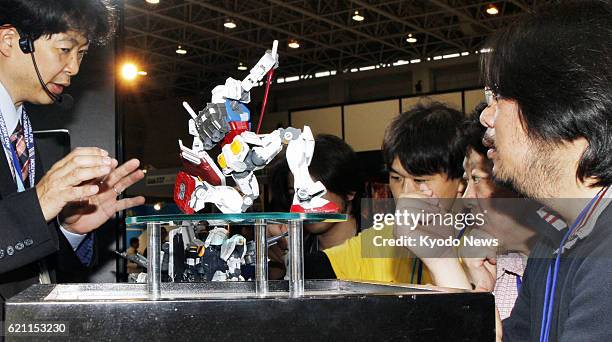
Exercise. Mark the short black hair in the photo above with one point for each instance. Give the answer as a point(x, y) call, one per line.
point(96, 19)
point(334, 163)
point(473, 130)
point(427, 140)
point(556, 64)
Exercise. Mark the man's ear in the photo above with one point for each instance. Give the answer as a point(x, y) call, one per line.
point(9, 39)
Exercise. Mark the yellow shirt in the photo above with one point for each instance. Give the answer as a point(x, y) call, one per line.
point(369, 257)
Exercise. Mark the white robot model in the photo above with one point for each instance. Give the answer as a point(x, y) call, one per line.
point(224, 257)
point(226, 118)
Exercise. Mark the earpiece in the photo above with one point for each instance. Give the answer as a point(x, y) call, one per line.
point(26, 44)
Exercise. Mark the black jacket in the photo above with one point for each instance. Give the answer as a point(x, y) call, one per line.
point(26, 239)
point(583, 298)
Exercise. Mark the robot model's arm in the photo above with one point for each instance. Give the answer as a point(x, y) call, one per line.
point(249, 152)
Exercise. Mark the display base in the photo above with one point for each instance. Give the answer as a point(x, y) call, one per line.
point(232, 311)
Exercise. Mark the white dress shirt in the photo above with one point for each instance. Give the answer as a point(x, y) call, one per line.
point(12, 116)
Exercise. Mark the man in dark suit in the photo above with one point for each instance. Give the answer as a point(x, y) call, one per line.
point(46, 220)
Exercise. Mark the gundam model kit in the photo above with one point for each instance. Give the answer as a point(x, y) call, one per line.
point(225, 121)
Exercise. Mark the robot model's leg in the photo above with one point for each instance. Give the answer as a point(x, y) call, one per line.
point(191, 194)
point(308, 197)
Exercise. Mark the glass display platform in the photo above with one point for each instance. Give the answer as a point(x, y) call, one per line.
point(241, 218)
point(294, 222)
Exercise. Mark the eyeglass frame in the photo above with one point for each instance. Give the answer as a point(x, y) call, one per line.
point(490, 96)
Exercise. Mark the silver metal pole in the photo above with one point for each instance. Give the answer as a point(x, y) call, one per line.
point(153, 261)
point(296, 259)
point(261, 258)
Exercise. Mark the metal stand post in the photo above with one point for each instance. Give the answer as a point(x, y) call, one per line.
point(296, 259)
point(153, 261)
point(261, 258)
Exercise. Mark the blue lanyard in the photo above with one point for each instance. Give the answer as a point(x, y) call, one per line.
point(553, 271)
point(6, 143)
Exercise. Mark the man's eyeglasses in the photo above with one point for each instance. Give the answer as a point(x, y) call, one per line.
point(490, 97)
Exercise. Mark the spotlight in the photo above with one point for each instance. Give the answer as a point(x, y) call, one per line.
point(229, 23)
point(411, 39)
point(153, 2)
point(241, 67)
point(293, 44)
point(357, 16)
point(492, 10)
point(180, 50)
point(157, 206)
point(129, 71)
point(142, 73)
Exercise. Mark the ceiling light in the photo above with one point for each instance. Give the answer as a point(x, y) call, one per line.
point(129, 71)
point(180, 50)
point(411, 39)
point(293, 44)
point(154, 2)
point(229, 23)
point(142, 73)
point(241, 66)
point(492, 10)
point(157, 206)
point(357, 16)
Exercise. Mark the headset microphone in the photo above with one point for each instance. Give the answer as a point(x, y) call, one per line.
point(63, 101)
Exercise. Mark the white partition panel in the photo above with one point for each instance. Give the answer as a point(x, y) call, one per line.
point(321, 120)
point(365, 123)
point(473, 98)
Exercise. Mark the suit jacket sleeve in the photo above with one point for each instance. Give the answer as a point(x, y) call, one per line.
point(25, 236)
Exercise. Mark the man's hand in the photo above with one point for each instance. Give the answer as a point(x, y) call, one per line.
point(67, 180)
point(84, 216)
point(441, 261)
point(419, 205)
point(480, 262)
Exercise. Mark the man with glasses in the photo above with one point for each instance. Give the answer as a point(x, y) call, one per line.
point(549, 120)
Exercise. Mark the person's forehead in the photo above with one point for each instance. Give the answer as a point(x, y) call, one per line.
point(72, 36)
point(397, 167)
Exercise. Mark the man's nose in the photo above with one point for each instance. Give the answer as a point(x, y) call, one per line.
point(487, 117)
point(469, 191)
point(407, 186)
point(72, 68)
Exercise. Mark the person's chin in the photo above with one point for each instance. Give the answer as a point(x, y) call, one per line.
point(42, 99)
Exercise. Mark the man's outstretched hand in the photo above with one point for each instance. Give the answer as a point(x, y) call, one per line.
point(84, 216)
point(70, 179)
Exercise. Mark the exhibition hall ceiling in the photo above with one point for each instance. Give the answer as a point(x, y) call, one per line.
point(187, 46)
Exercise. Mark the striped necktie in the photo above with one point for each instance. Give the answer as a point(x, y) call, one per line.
point(18, 141)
